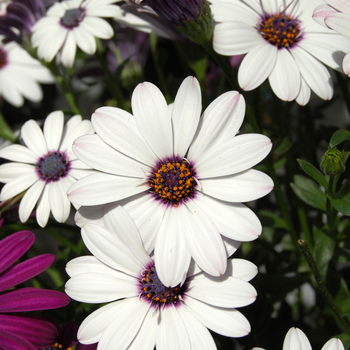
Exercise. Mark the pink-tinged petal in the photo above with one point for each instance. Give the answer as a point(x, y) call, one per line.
point(219, 122)
point(200, 337)
point(203, 239)
point(233, 220)
point(346, 64)
point(152, 118)
point(110, 249)
point(296, 339)
point(9, 171)
point(91, 150)
point(32, 299)
point(246, 38)
point(118, 129)
point(38, 331)
point(104, 188)
point(227, 292)
point(340, 5)
point(10, 341)
point(18, 153)
point(241, 268)
point(339, 22)
point(25, 271)
point(285, 77)
point(123, 329)
point(321, 12)
point(103, 289)
point(172, 257)
point(233, 156)
point(59, 202)
point(29, 200)
point(256, 66)
point(304, 94)
point(227, 322)
point(43, 208)
point(243, 187)
point(33, 137)
point(53, 128)
point(13, 247)
point(171, 332)
point(185, 115)
point(333, 344)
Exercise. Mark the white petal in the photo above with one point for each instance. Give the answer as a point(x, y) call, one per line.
point(231, 245)
point(18, 153)
point(95, 287)
point(91, 150)
point(29, 200)
point(119, 130)
point(68, 50)
point(104, 188)
point(84, 40)
point(185, 115)
point(285, 77)
point(304, 94)
point(340, 5)
point(233, 156)
point(33, 138)
point(43, 208)
point(241, 268)
point(243, 187)
point(59, 203)
point(49, 47)
point(9, 171)
point(321, 12)
point(53, 128)
point(204, 241)
point(269, 6)
point(256, 66)
point(233, 220)
point(227, 322)
point(91, 215)
point(18, 185)
point(333, 344)
point(153, 121)
point(346, 64)
point(219, 122)
point(339, 22)
point(296, 340)
point(171, 255)
point(97, 27)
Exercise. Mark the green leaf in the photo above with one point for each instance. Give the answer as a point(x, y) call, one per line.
point(313, 172)
point(272, 219)
point(339, 137)
point(5, 131)
point(309, 192)
point(341, 200)
point(323, 252)
point(345, 339)
point(345, 307)
point(284, 146)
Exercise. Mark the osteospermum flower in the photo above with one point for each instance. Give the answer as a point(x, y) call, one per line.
point(142, 311)
point(336, 15)
point(282, 42)
point(18, 330)
point(181, 179)
point(45, 167)
point(70, 23)
point(20, 75)
point(297, 340)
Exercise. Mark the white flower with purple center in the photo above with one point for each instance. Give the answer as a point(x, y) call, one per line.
point(70, 23)
point(282, 42)
point(142, 312)
point(20, 75)
point(181, 178)
point(45, 167)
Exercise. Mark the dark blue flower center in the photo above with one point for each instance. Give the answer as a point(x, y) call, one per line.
point(154, 290)
point(53, 166)
point(280, 30)
point(73, 17)
point(172, 181)
point(3, 57)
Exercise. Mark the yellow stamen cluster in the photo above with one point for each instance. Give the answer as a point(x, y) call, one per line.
point(280, 30)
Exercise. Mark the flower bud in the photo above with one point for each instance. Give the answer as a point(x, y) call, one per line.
point(333, 162)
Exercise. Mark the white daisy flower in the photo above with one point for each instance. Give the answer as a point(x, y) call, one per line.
point(20, 75)
point(142, 312)
point(282, 42)
point(336, 15)
point(70, 23)
point(297, 340)
point(45, 167)
point(181, 178)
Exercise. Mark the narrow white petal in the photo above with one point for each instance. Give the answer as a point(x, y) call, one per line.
point(33, 137)
point(321, 12)
point(68, 50)
point(185, 114)
point(43, 208)
point(92, 215)
point(340, 5)
point(59, 203)
point(231, 245)
point(339, 22)
point(51, 44)
point(296, 339)
point(29, 200)
point(333, 344)
point(18, 185)
point(270, 7)
point(346, 64)
point(241, 268)
point(233, 156)
point(97, 27)
point(304, 94)
point(18, 153)
point(85, 41)
point(9, 171)
point(53, 128)
point(153, 121)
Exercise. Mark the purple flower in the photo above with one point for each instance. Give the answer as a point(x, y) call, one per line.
point(19, 331)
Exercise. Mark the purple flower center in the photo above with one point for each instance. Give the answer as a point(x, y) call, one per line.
point(172, 181)
point(280, 30)
point(3, 58)
point(56, 347)
point(154, 291)
point(73, 17)
point(53, 166)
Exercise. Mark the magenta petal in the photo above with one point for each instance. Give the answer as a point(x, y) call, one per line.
point(36, 330)
point(25, 271)
point(13, 247)
point(10, 341)
point(31, 299)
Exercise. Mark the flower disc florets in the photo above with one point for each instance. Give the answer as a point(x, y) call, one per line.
point(73, 17)
point(172, 181)
point(280, 30)
point(3, 58)
point(53, 166)
point(154, 291)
